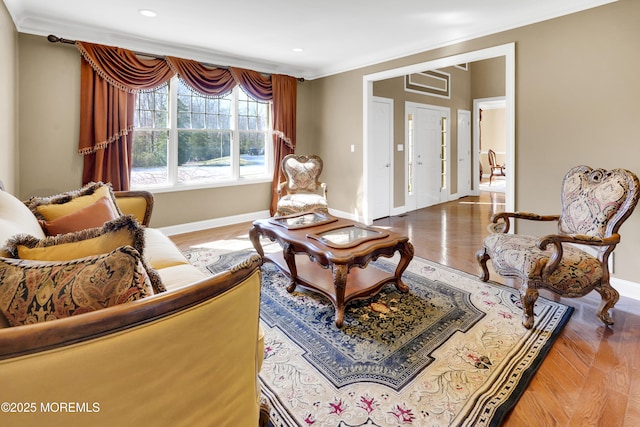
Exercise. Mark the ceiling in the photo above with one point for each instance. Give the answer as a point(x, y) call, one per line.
point(334, 35)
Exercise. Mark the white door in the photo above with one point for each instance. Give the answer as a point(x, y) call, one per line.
point(427, 156)
point(382, 146)
point(464, 153)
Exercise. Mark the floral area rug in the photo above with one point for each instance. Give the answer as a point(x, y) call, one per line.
point(451, 352)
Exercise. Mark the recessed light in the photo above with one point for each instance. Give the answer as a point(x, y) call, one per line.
point(147, 12)
point(298, 49)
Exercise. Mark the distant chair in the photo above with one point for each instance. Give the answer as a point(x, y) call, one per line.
point(595, 203)
point(301, 191)
point(496, 169)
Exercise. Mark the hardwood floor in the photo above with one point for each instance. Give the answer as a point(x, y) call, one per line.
point(591, 376)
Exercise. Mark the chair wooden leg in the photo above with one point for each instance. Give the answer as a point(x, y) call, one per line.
point(609, 298)
point(265, 408)
point(482, 258)
point(528, 296)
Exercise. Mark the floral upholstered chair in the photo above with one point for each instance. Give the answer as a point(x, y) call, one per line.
point(595, 202)
point(301, 191)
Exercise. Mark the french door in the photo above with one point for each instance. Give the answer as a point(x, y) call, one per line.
point(426, 155)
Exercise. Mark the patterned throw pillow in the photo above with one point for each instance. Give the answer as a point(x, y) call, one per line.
point(34, 291)
point(59, 205)
point(122, 231)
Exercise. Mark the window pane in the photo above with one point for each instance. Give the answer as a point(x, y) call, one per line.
point(252, 149)
point(206, 134)
point(213, 122)
point(183, 89)
point(225, 106)
point(197, 104)
point(149, 164)
point(161, 119)
point(203, 156)
point(252, 114)
point(162, 99)
point(184, 103)
point(151, 109)
point(197, 121)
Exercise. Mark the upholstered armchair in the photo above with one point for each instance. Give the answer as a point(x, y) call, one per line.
point(595, 202)
point(301, 191)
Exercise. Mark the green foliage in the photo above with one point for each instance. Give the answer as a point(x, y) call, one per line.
point(150, 149)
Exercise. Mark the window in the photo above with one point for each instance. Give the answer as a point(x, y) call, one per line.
point(182, 138)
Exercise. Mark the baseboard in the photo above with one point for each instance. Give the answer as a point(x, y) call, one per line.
point(212, 223)
point(347, 215)
point(236, 219)
point(626, 288)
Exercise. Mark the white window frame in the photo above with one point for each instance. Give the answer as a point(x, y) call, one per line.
point(172, 183)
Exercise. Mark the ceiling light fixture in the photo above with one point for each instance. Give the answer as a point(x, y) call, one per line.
point(147, 12)
point(298, 49)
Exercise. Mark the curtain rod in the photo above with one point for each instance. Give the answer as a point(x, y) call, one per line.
point(56, 39)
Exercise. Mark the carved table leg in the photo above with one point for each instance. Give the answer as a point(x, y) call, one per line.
point(340, 283)
point(406, 255)
point(254, 236)
point(290, 258)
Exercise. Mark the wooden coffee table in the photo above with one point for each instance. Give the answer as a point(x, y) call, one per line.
point(319, 252)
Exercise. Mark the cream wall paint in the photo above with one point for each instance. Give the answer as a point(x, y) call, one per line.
point(338, 125)
point(576, 103)
point(493, 133)
point(487, 78)
point(8, 101)
point(48, 117)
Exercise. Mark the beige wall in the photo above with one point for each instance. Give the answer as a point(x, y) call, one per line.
point(487, 78)
point(576, 103)
point(493, 135)
point(8, 101)
point(48, 119)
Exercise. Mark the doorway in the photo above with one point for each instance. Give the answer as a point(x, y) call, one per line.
point(507, 51)
point(482, 142)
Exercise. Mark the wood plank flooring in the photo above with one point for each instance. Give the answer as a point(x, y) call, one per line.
point(591, 376)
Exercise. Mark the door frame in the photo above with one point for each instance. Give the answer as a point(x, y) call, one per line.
point(505, 50)
point(468, 190)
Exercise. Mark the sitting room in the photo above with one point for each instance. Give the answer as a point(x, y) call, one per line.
point(231, 222)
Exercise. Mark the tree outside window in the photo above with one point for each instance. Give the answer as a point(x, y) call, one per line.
point(182, 138)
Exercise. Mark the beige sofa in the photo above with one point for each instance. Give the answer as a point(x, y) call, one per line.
point(189, 356)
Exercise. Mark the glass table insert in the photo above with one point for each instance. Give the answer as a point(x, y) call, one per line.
point(348, 236)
